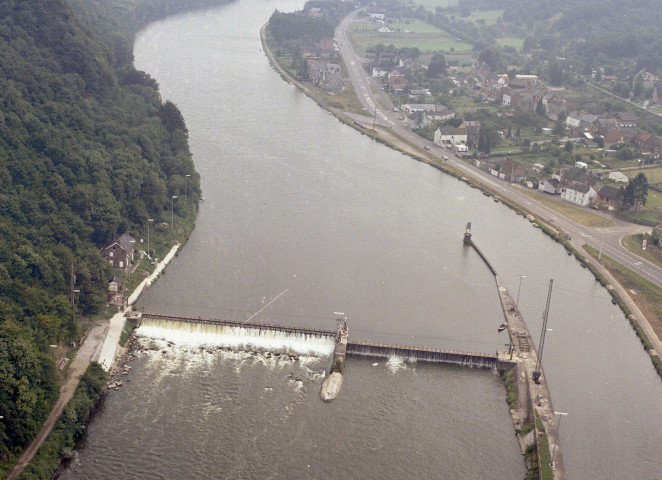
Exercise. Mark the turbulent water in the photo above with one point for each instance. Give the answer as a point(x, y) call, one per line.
point(299, 203)
point(190, 411)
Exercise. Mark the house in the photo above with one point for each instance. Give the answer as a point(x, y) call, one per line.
point(579, 194)
point(626, 119)
point(326, 75)
point(609, 197)
point(397, 81)
point(378, 72)
point(603, 126)
point(555, 105)
point(410, 108)
point(578, 119)
point(550, 185)
point(509, 98)
point(450, 137)
point(618, 177)
point(385, 29)
point(505, 169)
point(415, 94)
point(538, 167)
point(119, 253)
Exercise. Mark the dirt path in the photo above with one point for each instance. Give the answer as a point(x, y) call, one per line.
point(87, 352)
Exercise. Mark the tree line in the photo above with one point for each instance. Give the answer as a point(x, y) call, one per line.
point(88, 150)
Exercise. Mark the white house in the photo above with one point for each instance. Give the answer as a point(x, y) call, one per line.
point(379, 72)
point(618, 177)
point(450, 137)
point(579, 194)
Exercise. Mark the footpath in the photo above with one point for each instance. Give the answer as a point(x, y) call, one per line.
point(99, 344)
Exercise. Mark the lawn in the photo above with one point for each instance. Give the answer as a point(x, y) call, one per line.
point(653, 253)
point(510, 41)
point(652, 213)
point(654, 175)
point(577, 214)
point(426, 38)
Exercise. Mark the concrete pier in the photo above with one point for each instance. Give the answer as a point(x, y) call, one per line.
point(333, 383)
point(532, 397)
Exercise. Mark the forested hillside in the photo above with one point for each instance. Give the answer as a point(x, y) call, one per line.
point(87, 151)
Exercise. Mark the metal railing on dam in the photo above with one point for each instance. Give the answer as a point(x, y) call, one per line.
point(232, 323)
point(363, 349)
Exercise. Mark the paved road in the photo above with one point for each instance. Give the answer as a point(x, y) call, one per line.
point(605, 239)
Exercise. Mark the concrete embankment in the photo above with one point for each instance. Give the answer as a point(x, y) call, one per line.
point(533, 397)
point(117, 322)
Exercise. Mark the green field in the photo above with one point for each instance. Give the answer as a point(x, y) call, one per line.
point(488, 16)
point(431, 4)
point(510, 41)
point(654, 175)
point(426, 38)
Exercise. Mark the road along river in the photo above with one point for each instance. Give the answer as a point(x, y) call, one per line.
point(297, 202)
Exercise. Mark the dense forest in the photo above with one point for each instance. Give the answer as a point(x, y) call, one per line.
point(301, 29)
point(88, 150)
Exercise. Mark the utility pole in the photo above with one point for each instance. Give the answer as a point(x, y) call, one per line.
point(149, 220)
point(172, 214)
point(536, 372)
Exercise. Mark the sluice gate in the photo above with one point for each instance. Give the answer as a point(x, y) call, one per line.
point(247, 325)
point(362, 349)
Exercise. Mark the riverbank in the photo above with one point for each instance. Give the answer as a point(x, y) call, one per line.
point(100, 345)
point(388, 137)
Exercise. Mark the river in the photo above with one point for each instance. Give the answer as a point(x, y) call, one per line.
point(302, 206)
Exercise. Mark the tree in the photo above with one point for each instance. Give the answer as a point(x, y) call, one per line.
point(492, 57)
point(437, 66)
point(627, 197)
point(540, 108)
point(640, 190)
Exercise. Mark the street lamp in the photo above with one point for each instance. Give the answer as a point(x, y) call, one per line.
point(149, 220)
point(172, 214)
point(556, 440)
point(519, 288)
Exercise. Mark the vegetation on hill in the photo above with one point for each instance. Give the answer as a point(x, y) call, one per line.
point(88, 150)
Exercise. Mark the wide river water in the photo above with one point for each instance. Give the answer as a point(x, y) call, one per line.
point(302, 206)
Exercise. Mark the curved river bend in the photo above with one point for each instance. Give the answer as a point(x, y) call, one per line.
point(296, 202)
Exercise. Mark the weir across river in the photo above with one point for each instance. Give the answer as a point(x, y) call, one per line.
point(357, 349)
point(533, 397)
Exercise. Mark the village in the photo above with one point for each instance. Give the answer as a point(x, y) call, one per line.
point(553, 139)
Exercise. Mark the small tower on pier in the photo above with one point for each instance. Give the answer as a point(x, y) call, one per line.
point(467, 235)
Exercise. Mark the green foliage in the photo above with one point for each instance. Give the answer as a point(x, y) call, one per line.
point(87, 151)
point(71, 425)
point(293, 31)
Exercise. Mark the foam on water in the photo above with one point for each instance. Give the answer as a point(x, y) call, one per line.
point(233, 337)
